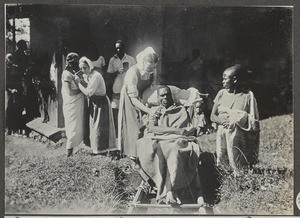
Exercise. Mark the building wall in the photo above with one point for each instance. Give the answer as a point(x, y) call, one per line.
point(173, 31)
point(261, 36)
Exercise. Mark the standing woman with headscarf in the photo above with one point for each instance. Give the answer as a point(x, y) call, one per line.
point(101, 125)
point(138, 78)
point(73, 104)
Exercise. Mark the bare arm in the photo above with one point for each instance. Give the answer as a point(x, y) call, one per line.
point(82, 86)
point(214, 116)
point(140, 105)
point(216, 119)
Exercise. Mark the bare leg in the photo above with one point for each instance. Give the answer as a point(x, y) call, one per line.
point(172, 198)
point(200, 201)
point(229, 139)
point(221, 140)
point(173, 170)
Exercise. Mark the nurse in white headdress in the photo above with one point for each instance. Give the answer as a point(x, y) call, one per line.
point(138, 78)
point(100, 119)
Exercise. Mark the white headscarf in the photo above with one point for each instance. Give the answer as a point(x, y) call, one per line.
point(88, 61)
point(140, 58)
point(8, 56)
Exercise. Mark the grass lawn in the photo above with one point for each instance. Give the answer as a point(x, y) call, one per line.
point(40, 179)
point(269, 188)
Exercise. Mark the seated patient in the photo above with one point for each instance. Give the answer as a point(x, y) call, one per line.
point(167, 153)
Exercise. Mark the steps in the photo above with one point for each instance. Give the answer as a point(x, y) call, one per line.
point(51, 132)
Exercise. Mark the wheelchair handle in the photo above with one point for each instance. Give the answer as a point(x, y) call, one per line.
point(203, 95)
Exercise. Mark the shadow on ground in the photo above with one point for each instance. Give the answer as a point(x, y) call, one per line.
point(210, 178)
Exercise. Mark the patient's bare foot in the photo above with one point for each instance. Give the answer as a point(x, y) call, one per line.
point(201, 209)
point(200, 200)
point(172, 198)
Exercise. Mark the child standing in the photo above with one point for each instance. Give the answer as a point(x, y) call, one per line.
point(199, 120)
point(236, 114)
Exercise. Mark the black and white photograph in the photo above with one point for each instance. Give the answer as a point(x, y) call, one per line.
point(153, 109)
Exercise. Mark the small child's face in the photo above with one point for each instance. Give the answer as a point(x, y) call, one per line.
point(199, 107)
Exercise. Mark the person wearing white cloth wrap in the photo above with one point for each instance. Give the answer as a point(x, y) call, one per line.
point(73, 104)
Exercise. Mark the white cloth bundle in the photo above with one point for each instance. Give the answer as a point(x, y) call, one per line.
point(180, 96)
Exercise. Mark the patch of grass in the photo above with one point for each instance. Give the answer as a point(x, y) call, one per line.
point(81, 184)
point(256, 194)
point(87, 184)
point(269, 188)
point(276, 142)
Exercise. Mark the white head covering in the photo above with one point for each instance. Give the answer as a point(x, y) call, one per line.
point(88, 61)
point(140, 57)
point(8, 56)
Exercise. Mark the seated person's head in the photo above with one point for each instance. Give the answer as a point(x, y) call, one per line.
point(164, 96)
point(199, 106)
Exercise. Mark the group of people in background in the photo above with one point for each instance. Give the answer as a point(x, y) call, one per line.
point(28, 91)
point(16, 105)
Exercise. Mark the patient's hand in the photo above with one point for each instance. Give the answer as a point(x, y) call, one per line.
point(225, 124)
